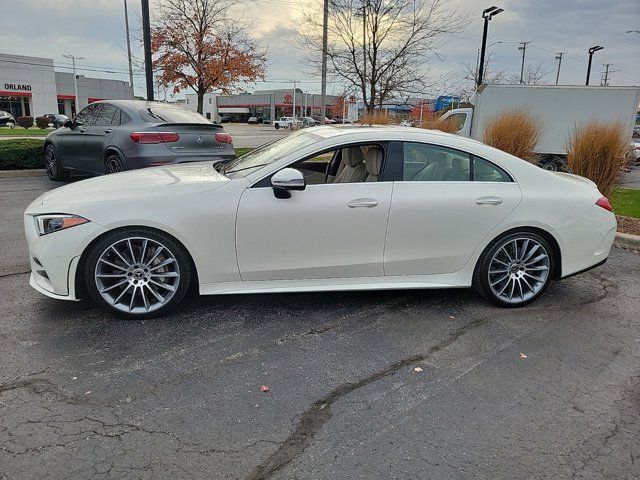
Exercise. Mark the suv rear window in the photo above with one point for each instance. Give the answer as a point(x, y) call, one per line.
point(171, 115)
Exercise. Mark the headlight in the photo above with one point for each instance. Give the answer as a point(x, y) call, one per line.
point(52, 223)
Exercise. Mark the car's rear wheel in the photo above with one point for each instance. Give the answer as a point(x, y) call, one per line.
point(53, 165)
point(113, 163)
point(277, 126)
point(515, 269)
point(137, 273)
point(10, 124)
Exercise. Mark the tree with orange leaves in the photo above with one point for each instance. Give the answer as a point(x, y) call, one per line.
point(196, 45)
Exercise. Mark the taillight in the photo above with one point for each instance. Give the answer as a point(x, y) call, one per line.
point(154, 137)
point(224, 138)
point(605, 203)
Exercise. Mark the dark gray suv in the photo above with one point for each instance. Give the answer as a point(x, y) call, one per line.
point(116, 135)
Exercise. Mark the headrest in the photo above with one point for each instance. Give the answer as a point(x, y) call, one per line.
point(374, 160)
point(352, 156)
point(444, 157)
point(458, 164)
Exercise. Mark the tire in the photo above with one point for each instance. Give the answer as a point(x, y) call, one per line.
point(11, 125)
point(514, 278)
point(137, 273)
point(277, 125)
point(53, 165)
point(114, 163)
point(551, 166)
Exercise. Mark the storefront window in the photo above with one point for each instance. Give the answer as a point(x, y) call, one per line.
point(15, 105)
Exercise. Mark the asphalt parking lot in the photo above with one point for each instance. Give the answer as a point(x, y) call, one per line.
point(548, 391)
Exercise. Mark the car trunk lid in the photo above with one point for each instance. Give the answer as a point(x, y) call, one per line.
point(196, 138)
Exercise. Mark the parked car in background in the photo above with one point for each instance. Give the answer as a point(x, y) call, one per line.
point(225, 119)
point(285, 122)
point(408, 208)
point(309, 122)
point(116, 135)
point(56, 120)
point(253, 121)
point(327, 120)
point(7, 120)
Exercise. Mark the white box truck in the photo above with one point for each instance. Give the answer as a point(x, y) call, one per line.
point(558, 108)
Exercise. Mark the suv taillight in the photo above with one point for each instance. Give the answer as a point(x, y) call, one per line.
point(605, 203)
point(224, 138)
point(154, 137)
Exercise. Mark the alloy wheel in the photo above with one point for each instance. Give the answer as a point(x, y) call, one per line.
point(518, 270)
point(50, 162)
point(113, 165)
point(137, 275)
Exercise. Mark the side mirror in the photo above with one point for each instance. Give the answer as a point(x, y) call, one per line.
point(68, 124)
point(286, 180)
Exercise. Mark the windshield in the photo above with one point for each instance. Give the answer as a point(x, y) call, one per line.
point(269, 153)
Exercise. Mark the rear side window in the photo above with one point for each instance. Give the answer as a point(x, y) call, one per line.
point(431, 163)
point(164, 114)
point(484, 171)
point(106, 114)
point(124, 117)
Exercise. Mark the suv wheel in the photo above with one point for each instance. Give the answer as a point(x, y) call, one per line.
point(113, 163)
point(53, 165)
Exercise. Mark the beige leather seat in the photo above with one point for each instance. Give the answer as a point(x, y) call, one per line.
point(437, 170)
point(459, 170)
point(374, 163)
point(353, 168)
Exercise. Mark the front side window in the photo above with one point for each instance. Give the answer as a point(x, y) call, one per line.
point(87, 115)
point(458, 120)
point(431, 163)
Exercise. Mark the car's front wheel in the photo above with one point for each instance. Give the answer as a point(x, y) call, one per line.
point(137, 272)
point(515, 269)
point(53, 165)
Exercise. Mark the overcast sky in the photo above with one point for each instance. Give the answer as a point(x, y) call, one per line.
point(94, 29)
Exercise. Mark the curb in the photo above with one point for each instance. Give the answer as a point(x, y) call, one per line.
point(22, 173)
point(626, 240)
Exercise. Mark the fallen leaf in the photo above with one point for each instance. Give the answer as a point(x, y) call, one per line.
point(74, 378)
point(522, 355)
point(452, 317)
point(417, 369)
point(264, 388)
point(88, 392)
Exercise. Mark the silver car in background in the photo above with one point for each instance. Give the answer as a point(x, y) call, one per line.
point(116, 135)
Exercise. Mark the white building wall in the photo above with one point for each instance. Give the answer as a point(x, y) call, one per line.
point(209, 107)
point(36, 72)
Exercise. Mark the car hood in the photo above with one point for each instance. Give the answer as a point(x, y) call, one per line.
point(135, 184)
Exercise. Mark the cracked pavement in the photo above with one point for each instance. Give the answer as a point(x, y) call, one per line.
point(84, 395)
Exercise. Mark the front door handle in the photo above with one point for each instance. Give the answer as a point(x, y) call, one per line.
point(82, 130)
point(107, 131)
point(489, 201)
point(363, 203)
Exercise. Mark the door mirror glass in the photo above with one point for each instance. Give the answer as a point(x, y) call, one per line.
point(286, 180)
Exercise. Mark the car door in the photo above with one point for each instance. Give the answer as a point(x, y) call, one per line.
point(98, 136)
point(444, 206)
point(327, 230)
point(72, 141)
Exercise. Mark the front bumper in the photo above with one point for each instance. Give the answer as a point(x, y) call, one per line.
point(54, 257)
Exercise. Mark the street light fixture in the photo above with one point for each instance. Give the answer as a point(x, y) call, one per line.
point(75, 78)
point(487, 14)
point(592, 50)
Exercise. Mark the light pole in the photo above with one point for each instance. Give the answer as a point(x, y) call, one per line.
point(487, 14)
point(592, 50)
point(75, 78)
point(126, 24)
point(325, 37)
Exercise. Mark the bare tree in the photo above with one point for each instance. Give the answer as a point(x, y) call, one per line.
point(196, 45)
point(380, 47)
point(533, 75)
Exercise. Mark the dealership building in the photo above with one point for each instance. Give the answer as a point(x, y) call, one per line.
point(31, 86)
point(266, 105)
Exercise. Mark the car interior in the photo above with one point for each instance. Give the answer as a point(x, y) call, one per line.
point(351, 164)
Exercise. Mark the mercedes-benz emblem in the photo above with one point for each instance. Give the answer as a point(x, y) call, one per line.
point(199, 140)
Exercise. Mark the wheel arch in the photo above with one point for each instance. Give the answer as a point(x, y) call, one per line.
point(557, 253)
point(80, 287)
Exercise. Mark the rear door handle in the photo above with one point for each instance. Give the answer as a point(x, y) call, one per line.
point(363, 203)
point(82, 130)
point(489, 201)
point(108, 130)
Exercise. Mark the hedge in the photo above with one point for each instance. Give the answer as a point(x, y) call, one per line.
point(21, 153)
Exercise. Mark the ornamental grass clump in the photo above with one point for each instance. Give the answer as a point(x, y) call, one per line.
point(514, 131)
point(597, 151)
point(434, 121)
point(377, 117)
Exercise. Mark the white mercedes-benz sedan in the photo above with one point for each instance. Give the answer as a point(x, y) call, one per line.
point(332, 208)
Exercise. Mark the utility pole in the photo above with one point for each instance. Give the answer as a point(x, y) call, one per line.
point(325, 35)
point(75, 78)
point(126, 24)
point(146, 34)
point(559, 56)
point(421, 107)
point(364, 44)
point(605, 81)
point(523, 47)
